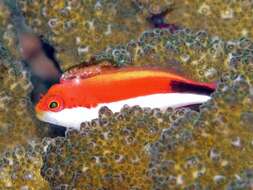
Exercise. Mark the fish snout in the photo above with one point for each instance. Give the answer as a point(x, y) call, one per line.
point(39, 113)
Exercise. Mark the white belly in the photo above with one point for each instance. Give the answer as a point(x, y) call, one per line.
point(73, 117)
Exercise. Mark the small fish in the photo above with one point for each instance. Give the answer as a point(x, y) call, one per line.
point(82, 91)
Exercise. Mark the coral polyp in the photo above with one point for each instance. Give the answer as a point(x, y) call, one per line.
point(20, 168)
point(148, 149)
point(137, 148)
point(111, 152)
point(227, 19)
point(206, 148)
point(17, 121)
point(78, 29)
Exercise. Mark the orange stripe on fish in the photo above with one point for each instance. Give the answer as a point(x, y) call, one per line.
point(82, 91)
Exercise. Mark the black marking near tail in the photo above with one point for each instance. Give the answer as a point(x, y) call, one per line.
point(179, 86)
point(194, 107)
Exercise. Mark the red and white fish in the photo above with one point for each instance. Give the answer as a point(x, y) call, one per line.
point(83, 91)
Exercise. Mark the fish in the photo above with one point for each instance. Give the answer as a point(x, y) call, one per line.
point(83, 91)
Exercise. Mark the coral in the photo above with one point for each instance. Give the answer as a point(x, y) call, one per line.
point(108, 153)
point(78, 29)
point(194, 54)
point(17, 121)
point(20, 168)
point(152, 7)
point(226, 19)
point(208, 149)
point(148, 149)
point(243, 181)
point(8, 33)
point(200, 52)
point(138, 148)
point(17, 118)
point(4, 16)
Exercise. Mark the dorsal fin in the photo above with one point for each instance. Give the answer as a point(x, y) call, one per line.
point(83, 71)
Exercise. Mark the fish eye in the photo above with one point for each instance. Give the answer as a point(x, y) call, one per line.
point(53, 105)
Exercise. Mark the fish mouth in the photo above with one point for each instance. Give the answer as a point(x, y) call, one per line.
point(40, 115)
point(47, 117)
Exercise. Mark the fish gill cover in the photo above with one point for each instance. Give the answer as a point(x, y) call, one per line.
point(136, 148)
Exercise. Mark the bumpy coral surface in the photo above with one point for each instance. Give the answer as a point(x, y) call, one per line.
point(111, 152)
point(136, 148)
point(195, 149)
point(18, 124)
point(8, 33)
point(227, 19)
point(243, 181)
point(20, 168)
point(195, 54)
point(209, 149)
point(153, 7)
point(78, 29)
point(17, 121)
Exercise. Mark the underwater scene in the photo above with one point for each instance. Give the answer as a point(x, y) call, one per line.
point(126, 94)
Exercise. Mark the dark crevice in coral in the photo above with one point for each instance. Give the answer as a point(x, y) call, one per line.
point(194, 107)
point(46, 54)
point(157, 21)
point(41, 86)
point(50, 53)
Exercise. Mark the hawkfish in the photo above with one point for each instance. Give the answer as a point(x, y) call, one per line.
point(83, 91)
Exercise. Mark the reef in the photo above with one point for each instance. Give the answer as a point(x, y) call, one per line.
point(8, 32)
point(77, 37)
point(137, 148)
point(111, 152)
point(155, 7)
point(227, 19)
point(142, 148)
point(194, 54)
point(20, 168)
point(147, 149)
point(79, 29)
point(197, 55)
point(206, 149)
point(243, 181)
point(192, 151)
point(17, 119)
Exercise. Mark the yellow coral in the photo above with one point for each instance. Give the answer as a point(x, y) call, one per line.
point(17, 121)
point(137, 148)
point(8, 33)
point(194, 150)
point(112, 152)
point(226, 19)
point(194, 54)
point(208, 148)
point(20, 168)
point(79, 29)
